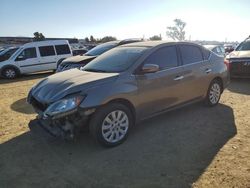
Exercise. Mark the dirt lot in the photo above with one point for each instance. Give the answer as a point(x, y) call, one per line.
point(191, 147)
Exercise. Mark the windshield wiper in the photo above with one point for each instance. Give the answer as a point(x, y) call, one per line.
point(94, 70)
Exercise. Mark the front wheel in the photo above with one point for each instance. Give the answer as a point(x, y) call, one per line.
point(214, 93)
point(9, 73)
point(110, 124)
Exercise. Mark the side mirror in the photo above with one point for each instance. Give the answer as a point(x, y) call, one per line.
point(20, 58)
point(150, 68)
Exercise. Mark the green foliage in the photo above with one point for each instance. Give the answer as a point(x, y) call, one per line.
point(92, 39)
point(155, 37)
point(86, 39)
point(107, 39)
point(177, 32)
point(38, 36)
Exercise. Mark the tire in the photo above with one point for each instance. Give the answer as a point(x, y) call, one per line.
point(9, 73)
point(213, 93)
point(106, 129)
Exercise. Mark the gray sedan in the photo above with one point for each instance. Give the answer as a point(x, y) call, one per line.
point(125, 85)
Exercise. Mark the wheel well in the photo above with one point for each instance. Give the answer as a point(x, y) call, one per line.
point(10, 66)
point(59, 61)
point(126, 103)
point(221, 82)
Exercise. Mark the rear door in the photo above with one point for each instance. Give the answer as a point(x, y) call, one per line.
point(163, 89)
point(195, 71)
point(48, 57)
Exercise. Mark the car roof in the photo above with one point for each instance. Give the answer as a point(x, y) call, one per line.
point(46, 42)
point(210, 46)
point(155, 43)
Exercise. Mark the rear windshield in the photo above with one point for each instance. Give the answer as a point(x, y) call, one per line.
point(244, 46)
point(115, 60)
point(100, 49)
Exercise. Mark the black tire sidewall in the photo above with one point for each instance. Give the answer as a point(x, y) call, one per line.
point(208, 102)
point(97, 120)
point(9, 68)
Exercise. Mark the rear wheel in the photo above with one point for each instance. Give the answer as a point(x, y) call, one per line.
point(110, 124)
point(214, 93)
point(9, 73)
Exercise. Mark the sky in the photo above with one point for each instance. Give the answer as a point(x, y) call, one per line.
point(221, 20)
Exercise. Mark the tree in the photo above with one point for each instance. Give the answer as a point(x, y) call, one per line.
point(92, 39)
point(38, 36)
point(107, 39)
point(155, 37)
point(86, 39)
point(177, 32)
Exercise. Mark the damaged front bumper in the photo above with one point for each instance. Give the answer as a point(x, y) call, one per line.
point(65, 126)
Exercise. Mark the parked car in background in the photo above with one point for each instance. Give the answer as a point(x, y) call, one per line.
point(34, 57)
point(81, 51)
point(218, 49)
point(2, 49)
point(240, 60)
point(229, 48)
point(79, 61)
point(125, 85)
point(7, 53)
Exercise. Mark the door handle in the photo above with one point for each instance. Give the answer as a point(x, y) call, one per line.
point(208, 70)
point(177, 78)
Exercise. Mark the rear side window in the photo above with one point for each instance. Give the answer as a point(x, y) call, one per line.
point(46, 51)
point(190, 54)
point(62, 49)
point(165, 58)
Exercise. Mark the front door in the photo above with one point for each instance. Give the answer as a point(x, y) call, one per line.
point(28, 61)
point(163, 89)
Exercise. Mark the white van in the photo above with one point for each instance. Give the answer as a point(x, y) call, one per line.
point(35, 57)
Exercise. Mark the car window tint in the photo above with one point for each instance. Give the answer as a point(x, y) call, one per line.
point(222, 49)
point(62, 49)
point(190, 54)
point(46, 51)
point(29, 53)
point(165, 58)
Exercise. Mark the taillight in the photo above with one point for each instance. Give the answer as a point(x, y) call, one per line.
point(227, 63)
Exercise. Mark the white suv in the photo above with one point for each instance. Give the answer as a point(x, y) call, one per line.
point(35, 57)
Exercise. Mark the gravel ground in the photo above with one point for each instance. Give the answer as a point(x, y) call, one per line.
point(195, 146)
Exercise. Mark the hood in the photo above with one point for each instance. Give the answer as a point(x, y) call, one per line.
point(239, 54)
point(78, 59)
point(57, 86)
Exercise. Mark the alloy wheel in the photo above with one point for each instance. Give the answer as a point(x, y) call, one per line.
point(214, 93)
point(115, 126)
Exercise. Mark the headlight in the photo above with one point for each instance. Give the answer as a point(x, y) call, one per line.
point(64, 105)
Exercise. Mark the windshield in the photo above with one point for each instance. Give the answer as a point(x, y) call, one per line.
point(115, 60)
point(7, 54)
point(98, 50)
point(244, 46)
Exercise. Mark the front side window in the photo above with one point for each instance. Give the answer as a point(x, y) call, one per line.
point(62, 49)
point(244, 46)
point(190, 54)
point(27, 53)
point(165, 58)
point(46, 51)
